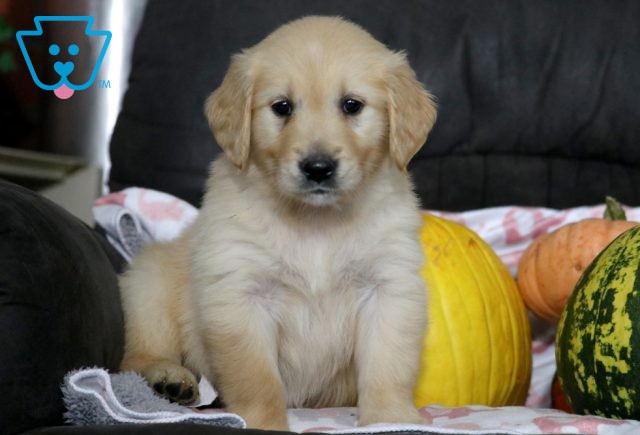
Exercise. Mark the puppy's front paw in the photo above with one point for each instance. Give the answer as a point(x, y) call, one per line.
point(174, 382)
point(405, 414)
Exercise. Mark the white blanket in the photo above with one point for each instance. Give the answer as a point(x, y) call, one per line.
point(92, 396)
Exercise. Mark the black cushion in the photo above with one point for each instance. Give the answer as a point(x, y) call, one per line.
point(59, 306)
point(538, 98)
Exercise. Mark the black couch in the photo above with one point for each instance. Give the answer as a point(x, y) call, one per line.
point(538, 105)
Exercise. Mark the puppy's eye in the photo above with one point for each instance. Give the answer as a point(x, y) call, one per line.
point(282, 108)
point(351, 106)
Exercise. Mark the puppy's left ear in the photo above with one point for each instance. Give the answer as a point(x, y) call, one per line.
point(228, 110)
point(412, 112)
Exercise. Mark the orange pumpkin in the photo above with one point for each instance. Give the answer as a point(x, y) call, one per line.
point(551, 266)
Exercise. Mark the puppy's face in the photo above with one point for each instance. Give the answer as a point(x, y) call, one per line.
point(317, 108)
point(319, 122)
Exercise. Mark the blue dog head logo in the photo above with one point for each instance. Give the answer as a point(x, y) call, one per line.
point(63, 88)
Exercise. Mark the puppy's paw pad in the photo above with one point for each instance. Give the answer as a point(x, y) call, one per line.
point(187, 395)
point(158, 387)
point(173, 390)
point(174, 383)
point(181, 393)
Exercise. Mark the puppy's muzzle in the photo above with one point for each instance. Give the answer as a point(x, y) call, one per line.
point(319, 168)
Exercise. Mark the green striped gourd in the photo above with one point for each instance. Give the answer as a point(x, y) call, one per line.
point(598, 337)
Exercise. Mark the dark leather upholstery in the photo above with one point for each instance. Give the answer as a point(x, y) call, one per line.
point(538, 99)
point(59, 306)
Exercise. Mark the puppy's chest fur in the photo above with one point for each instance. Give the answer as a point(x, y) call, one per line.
point(313, 292)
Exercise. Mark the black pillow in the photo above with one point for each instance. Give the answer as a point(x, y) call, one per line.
point(59, 306)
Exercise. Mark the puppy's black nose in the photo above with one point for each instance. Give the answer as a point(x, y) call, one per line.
point(318, 168)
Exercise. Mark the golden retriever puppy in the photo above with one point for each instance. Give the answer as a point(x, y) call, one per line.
point(298, 284)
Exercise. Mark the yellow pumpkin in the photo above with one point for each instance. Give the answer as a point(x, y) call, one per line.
point(477, 348)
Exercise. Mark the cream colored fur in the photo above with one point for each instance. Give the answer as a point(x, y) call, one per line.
point(285, 298)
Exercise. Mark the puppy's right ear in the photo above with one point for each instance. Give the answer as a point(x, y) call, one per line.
point(228, 110)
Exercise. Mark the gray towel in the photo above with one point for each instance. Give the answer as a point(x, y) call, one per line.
point(93, 396)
